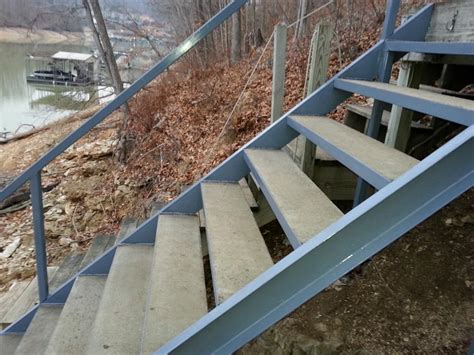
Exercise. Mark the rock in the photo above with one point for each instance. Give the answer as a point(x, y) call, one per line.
point(22, 194)
point(339, 284)
point(10, 249)
point(321, 327)
point(469, 219)
point(448, 221)
point(94, 150)
point(65, 241)
point(285, 339)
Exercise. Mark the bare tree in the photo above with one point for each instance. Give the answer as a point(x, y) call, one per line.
point(135, 28)
point(236, 42)
point(301, 24)
point(101, 37)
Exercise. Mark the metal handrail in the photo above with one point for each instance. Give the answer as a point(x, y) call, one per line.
point(33, 173)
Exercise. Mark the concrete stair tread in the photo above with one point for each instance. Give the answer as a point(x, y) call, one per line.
point(9, 343)
point(36, 338)
point(386, 162)
point(238, 253)
point(443, 106)
point(422, 94)
point(120, 316)
point(302, 208)
point(177, 289)
point(28, 299)
point(74, 326)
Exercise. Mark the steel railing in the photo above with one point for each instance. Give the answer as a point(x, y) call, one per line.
point(33, 173)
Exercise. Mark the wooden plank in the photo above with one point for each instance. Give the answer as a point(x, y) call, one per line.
point(279, 62)
point(335, 180)
point(66, 270)
point(156, 206)
point(399, 126)
point(318, 71)
point(264, 214)
point(99, 245)
point(439, 59)
point(446, 91)
point(27, 300)
point(365, 112)
point(127, 227)
point(202, 219)
point(248, 194)
point(12, 295)
point(452, 22)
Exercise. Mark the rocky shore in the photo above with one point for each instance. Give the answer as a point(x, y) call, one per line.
point(82, 196)
point(20, 35)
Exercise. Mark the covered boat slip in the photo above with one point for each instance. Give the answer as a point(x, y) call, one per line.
point(63, 68)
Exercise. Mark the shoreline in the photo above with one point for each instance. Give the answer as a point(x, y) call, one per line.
point(18, 35)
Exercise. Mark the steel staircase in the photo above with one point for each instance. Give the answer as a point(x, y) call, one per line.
point(148, 293)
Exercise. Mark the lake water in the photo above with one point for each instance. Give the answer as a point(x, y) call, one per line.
point(25, 105)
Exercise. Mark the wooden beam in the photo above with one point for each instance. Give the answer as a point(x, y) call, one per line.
point(452, 22)
point(318, 71)
point(279, 61)
point(399, 125)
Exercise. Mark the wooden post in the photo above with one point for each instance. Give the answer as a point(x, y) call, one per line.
point(318, 71)
point(399, 126)
point(279, 60)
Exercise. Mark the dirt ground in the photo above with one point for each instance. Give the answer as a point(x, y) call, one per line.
point(414, 297)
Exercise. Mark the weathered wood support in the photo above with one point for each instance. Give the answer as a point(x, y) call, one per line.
point(279, 60)
point(318, 71)
point(399, 126)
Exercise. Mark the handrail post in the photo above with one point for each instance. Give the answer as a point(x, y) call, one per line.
point(39, 235)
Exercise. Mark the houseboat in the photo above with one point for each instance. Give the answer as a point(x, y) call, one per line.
point(64, 68)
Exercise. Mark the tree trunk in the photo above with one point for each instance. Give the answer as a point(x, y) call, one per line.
point(107, 46)
point(95, 34)
point(236, 38)
point(101, 37)
point(301, 25)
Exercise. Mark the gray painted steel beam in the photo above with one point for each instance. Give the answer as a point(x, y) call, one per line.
point(448, 48)
point(39, 236)
point(416, 28)
point(331, 254)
